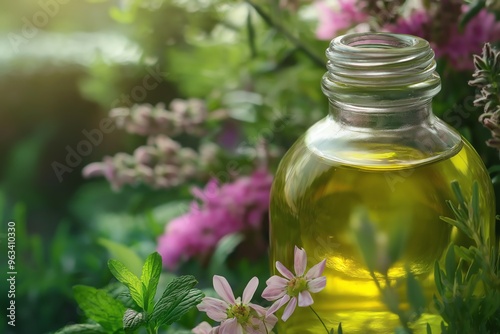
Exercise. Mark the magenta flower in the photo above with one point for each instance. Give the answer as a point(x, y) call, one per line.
point(294, 289)
point(237, 315)
point(220, 210)
point(331, 21)
point(460, 45)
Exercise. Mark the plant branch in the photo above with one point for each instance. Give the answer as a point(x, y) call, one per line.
point(319, 318)
point(317, 60)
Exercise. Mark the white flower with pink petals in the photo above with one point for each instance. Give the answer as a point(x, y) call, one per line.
point(205, 328)
point(236, 315)
point(294, 289)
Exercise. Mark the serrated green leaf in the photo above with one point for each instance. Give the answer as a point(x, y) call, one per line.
point(415, 293)
point(99, 306)
point(132, 320)
point(131, 281)
point(82, 329)
point(123, 254)
point(121, 293)
point(150, 276)
point(178, 297)
point(178, 308)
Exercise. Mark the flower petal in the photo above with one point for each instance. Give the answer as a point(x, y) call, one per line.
point(305, 299)
point(289, 309)
point(283, 270)
point(271, 293)
point(250, 290)
point(223, 289)
point(277, 281)
point(231, 326)
point(317, 284)
point(215, 308)
point(278, 304)
point(202, 328)
point(299, 261)
point(316, 270)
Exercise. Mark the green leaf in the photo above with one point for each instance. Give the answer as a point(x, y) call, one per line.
point(177, 299)
point(415, 293)
point(364, 233)
point(99, 306)
point(82, 329)
point(450, 263)
point(132, 282)
point(132, 320)
point(176, 310)
point(224, 248)
point(150, 276)
point(123, 254)
point(339, 329)
point(474, 9)
point(429, 329)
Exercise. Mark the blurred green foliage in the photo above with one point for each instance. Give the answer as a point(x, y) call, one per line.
point(51, 90)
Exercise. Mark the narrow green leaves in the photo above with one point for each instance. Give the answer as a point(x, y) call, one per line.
point(415, 293)
point(99, 306)
point(177, 299)
point(125, 276)
point(364, 234)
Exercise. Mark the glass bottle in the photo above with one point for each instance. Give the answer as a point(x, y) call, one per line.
point(382, 149)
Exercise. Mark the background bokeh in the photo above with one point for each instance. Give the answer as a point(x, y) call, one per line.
point(65, 63)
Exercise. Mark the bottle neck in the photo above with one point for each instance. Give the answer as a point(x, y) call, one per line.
point(381, 118)
point(380, 74)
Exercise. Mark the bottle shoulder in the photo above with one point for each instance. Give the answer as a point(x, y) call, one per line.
point(398, 148)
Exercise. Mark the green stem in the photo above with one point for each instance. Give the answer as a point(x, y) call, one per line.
point(295, 41)
point(319, 318)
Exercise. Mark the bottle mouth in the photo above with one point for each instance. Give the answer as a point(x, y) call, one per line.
point(380, 67)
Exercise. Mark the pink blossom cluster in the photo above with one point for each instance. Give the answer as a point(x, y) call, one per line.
point(223, 209)
point(331, 21)
point(460, 45)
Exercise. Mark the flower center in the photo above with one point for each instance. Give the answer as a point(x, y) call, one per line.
point(296, 285)
point(240, 312)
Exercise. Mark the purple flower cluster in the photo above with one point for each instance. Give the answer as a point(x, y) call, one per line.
point(223, 209)
point(439, 24)
point(459, 46)
point(184, 116)
point(332, 21)
point(162, 163)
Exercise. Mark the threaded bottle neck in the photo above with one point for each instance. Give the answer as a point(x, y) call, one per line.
point(380, 71)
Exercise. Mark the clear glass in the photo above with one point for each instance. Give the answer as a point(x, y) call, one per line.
point(380, 148)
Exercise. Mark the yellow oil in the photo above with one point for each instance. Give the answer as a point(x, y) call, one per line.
point(313, 198)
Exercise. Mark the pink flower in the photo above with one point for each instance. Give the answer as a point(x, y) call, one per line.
point(205, 328)
point(294, 288)
point(232, 207)
point(331, 22)
point(460, 45)
point(237, 315)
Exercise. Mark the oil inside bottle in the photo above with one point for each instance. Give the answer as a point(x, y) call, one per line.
point(313, 199)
